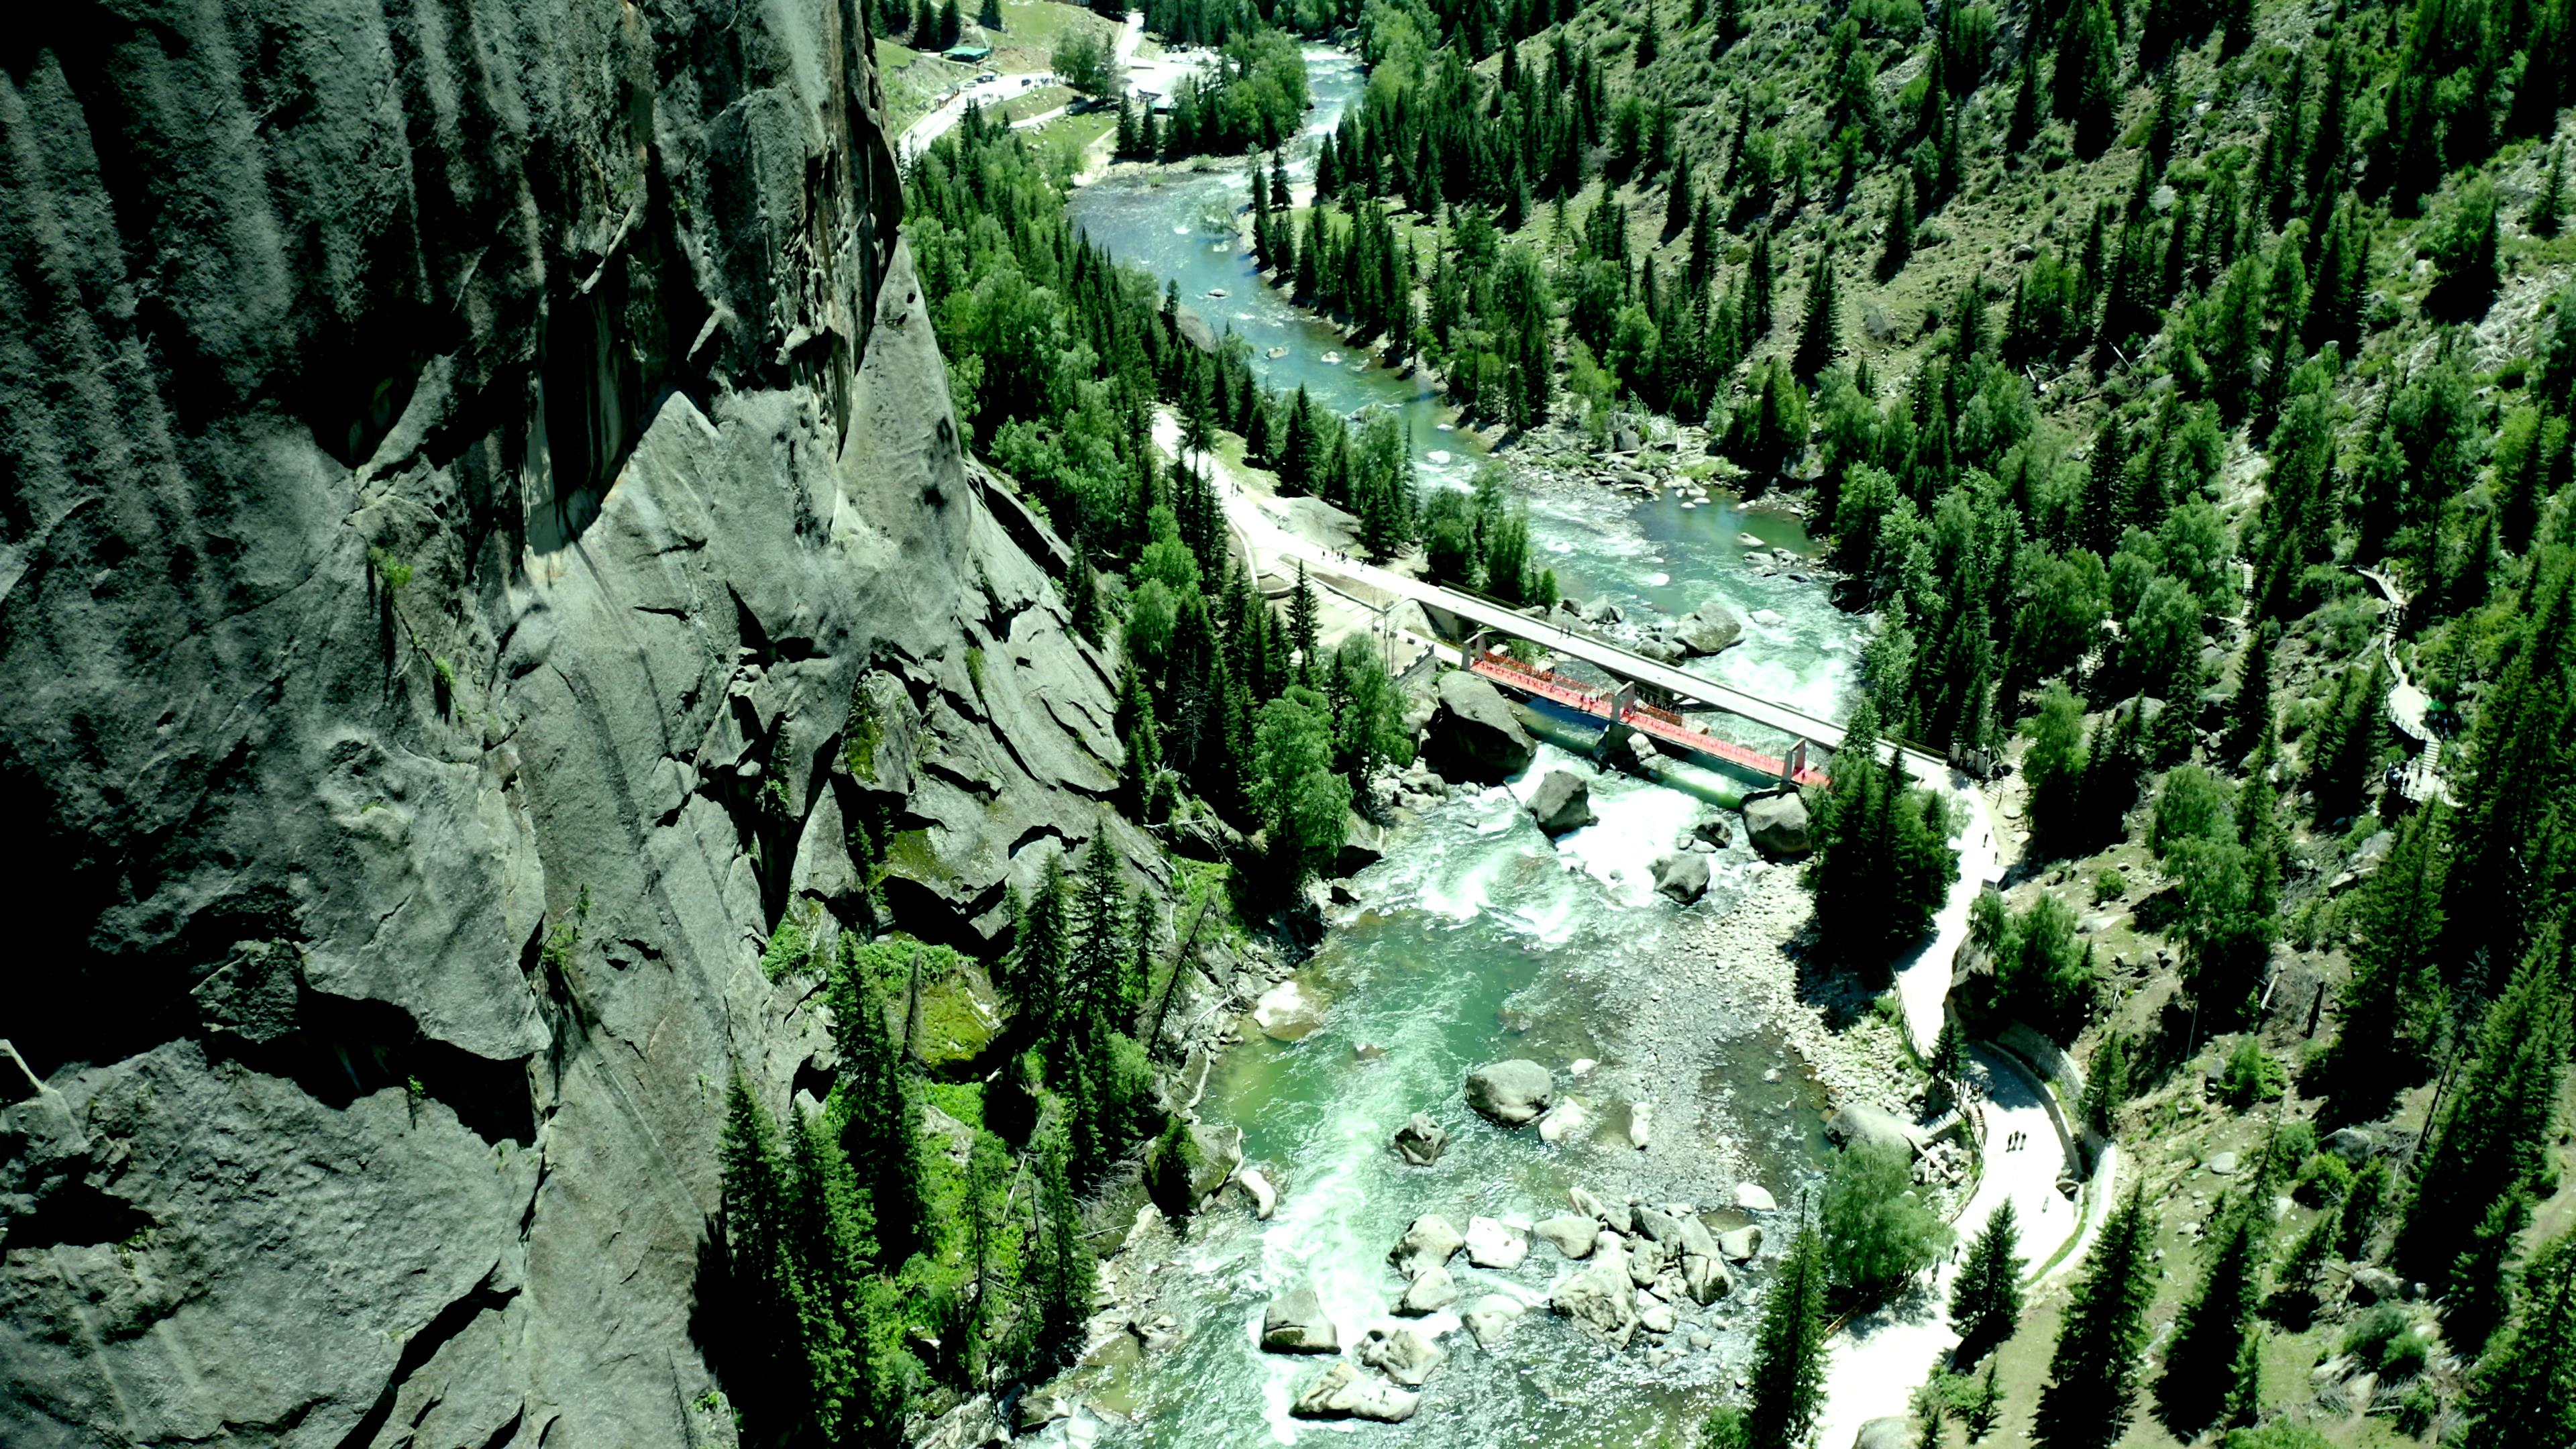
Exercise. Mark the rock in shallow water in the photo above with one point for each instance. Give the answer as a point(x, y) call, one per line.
point(1431, 1290)
point(1600, 1300)
point(1401, 1354)
point(1740, 1244)
point(1568, 1234)
point(1491, 1317)
point(1492, 1243)
point(1431, 1242)
point(1564, 1120)
point(1511, 1093)
point(1420, 1140)
point(1346, 1393)
point(1474, 735)
point(1563, 802)
point(1682, 876)
point(1754, 1198)
point(1296, 1323)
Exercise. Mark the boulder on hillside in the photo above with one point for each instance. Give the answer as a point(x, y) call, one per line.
point(1563, 803)
point(1709, 629)
point(1474, 735)
point(1346, 1393)
point(1776, 824)
point(1297, 1323)
point(1893, 1432)
point(1512, 1093)
point(1420, 1140)
point(1682, 876)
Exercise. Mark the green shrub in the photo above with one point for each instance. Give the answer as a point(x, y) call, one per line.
point(2253, 1075)
point(2109, 886)
point(1879, 1232)
point(2324, 1181)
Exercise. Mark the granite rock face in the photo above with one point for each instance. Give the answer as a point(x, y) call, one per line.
point(482, 538)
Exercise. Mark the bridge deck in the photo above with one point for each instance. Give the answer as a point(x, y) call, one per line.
point(1646, 719)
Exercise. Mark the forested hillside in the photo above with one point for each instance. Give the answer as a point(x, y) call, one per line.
point(2187, 391)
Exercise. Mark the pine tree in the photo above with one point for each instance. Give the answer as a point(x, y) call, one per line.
point(2211, 1331)
point(1648, 41)
point(2497, 1123)
point(2106, 1084)
point(2389, 1009)
point(1985, 1300)
point(1061, 1270)
point(879, 1102)
point(1897, 246)
point(2358, 1218)
point(1303, 628)
point(1677, 198)
point(2523, 1394)
point(2023, 129)
point(2549, 208)
point(2093, 1374)
point(1083, 608)
point(755, 1190)
point(1787, 1376)
point(951, 24)
point(2482, 1276)
point(989, 15)
point(1817, 337)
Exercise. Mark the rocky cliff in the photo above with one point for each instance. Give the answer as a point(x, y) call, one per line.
point(481, 535)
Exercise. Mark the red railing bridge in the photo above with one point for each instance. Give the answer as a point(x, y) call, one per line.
point(1663, 724)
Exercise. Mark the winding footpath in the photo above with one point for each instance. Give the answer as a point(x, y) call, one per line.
point(943, 118)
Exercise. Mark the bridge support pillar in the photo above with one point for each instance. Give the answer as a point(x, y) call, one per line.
point(1797, 762)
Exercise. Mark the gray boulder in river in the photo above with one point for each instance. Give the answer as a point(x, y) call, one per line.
point(1420, 1140)
point(1563, 803)
point(1600, 1300)
point(1682, 875)
point(1344, 1392)
point(1297, 1323)
point(1776, 824)
point(1511, 1093)
point(1894, 1432)
point(1430, 1243)
point(1709, 629)
point(1474, 734)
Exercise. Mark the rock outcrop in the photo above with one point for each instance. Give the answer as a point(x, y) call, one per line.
point(1473, 734)
point(483, 539)
point(1344, 1392)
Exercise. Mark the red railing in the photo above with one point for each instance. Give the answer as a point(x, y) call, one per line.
point(1663, 724)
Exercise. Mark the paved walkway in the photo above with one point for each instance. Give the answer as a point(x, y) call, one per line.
point(1876, 1362)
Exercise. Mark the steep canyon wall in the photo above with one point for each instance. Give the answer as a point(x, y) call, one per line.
point(481, 535)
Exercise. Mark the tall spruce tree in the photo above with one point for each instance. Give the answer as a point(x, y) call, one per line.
point(1817, 336)
point(2498, 1121)
point(2211, 1331)
point(2390, 1008)
point(1985, 1300)
point(2092, 1383)
point(1786, 1388)
point(2523, 1393)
